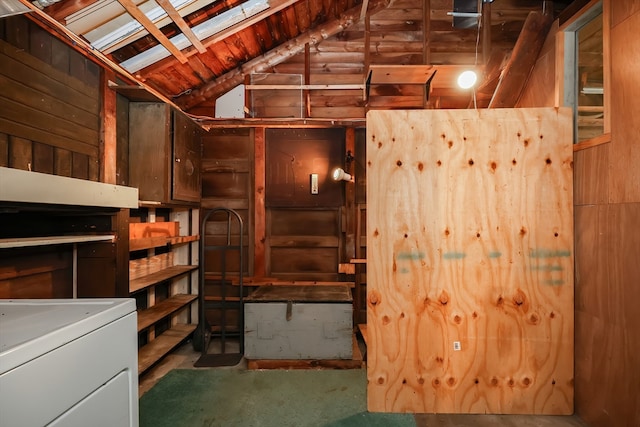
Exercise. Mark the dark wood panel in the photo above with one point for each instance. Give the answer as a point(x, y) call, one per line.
point(226, 185)
point(227, 144)
point(304, 222)
point(62, 162)
point(4, 149)
point(292, 155)
point(46, 79)
point(43, 121)
point(80, 166)
point(20, 153)
point(39, 135)
point(304, 261)
point(43, 158)
point(40, 101)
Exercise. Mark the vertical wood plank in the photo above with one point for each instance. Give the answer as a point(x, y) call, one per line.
point(350, 201)
point(624, 175)
point(259, 213)
point(470, 261)
point(108, 166)
point(4, 149)
point(42, 158)
point(62, 162)
point(80, 166)
point(20, 153)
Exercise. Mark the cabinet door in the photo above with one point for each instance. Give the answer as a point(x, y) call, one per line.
point(187, 151)
point(149, 150)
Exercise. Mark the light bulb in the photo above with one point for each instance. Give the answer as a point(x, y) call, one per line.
point(467, 79)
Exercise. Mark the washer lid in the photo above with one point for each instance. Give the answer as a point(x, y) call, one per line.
point(31, 327)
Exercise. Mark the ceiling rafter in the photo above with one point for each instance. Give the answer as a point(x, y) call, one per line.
point(139, 16)
point(275, 6)
point(180, 22)
point(228, 81)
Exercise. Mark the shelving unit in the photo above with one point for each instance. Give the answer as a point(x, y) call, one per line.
point(163, 279)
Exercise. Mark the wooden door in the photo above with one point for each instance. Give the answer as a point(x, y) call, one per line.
point(470, 261)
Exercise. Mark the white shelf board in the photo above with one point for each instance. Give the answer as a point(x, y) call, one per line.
point(22, 186)
point(52, 240)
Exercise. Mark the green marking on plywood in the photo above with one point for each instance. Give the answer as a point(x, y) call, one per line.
point(554, 282)
point(412, 256)
point(547, 267)
point(404, 270)
point(454, 255)
point(549, 253)
point(495, 254)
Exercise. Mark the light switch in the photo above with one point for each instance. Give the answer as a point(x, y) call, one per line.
point(314, 183)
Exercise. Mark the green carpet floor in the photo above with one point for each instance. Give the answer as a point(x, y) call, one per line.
point(274, 398)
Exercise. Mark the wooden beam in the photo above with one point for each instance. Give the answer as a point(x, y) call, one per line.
point(139, 16)
point(486, 32)
point(274, 7)
point(184, 27)
point(523, 59)
point(426, 31)
point(228, 81)
point(259, 211)
point(109, 139)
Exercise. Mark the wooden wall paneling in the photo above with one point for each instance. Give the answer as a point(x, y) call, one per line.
point(470, 261)
point(62, 162)
point(36, 273)
point(17, 32)
point(293, 155)
point(621, 10)
point(108, 130)
point(591, 175)
point(80, 166)
point(43, 158)
point(624, 271)
point(538, 92)
point(20, 153)
point(624, 156)
point(96, 270)
point(591, 281)
point(4, 149)
point(303, 244)
point(122, 140)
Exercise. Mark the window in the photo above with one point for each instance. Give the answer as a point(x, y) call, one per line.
point(584, 74)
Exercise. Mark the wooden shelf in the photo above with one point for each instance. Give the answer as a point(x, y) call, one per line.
point(154, 242)
point(159, 276)
point(164, 308)
point(161, 345)
point(52, 240)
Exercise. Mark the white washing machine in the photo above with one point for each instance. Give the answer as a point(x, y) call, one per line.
point(71, 363)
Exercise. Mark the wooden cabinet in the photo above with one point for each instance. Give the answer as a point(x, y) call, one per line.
point(165, 152)
point(163, 279)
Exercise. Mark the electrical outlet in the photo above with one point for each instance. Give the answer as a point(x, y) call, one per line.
point(314, 183)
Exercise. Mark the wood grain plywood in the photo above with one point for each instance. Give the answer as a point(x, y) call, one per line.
point(624, 156)
point(470, 246)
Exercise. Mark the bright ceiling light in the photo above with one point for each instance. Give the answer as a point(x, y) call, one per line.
point(467, 79)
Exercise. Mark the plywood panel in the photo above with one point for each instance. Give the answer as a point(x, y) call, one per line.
point(591, 175)
point(470, 261)
point(624, 156)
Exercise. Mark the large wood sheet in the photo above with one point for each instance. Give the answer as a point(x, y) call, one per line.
point(470, 261)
